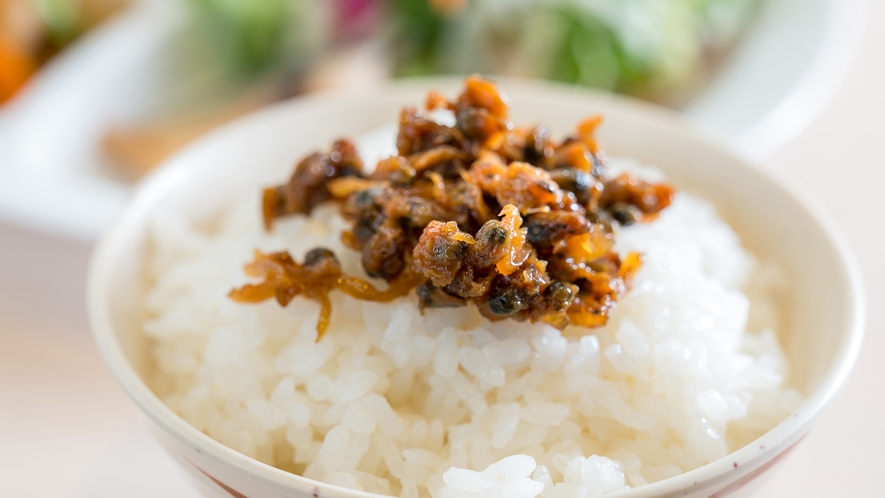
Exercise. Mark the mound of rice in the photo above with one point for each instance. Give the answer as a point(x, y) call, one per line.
point(451, 405)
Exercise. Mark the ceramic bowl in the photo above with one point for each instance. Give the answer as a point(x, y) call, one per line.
point(824, 311)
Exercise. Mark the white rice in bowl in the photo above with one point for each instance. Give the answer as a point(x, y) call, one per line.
point(451, 405)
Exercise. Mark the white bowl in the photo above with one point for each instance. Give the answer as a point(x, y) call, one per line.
point(783, 72)
point(775, 219)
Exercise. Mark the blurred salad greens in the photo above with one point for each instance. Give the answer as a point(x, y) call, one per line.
point(262, 34)
point(254, 29)
point(656, 49)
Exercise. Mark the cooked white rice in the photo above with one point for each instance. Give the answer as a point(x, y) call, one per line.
point(451, 405)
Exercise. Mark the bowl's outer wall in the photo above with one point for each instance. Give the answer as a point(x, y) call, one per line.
point(222, 481)
point(261, 149)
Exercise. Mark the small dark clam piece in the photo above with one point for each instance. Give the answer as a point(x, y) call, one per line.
point(320, 255)
point(558, 296)
point(308, 185)
point(440, 252)
point(430, 296)
point(538, 147)
point(649, 198)
point(468, 284)
point(626, 214)
point(385, 253)
point(586, 187)
point(545, 230)
point(397, 169)
point(505, 301)
point(490, 245)
point(493, 233)
point(482, 212)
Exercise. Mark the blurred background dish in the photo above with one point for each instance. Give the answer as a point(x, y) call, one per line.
point(159, 73)
point(32, 32)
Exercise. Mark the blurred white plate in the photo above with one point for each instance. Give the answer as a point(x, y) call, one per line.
point(52, 176)
point(789, 65)
point(151, 58)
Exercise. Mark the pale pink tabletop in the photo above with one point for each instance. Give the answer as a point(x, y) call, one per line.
point(67, 430)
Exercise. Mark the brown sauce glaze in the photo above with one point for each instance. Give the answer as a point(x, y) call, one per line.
point(481, 212)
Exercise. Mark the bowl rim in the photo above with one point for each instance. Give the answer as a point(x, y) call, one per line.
point(743, 460)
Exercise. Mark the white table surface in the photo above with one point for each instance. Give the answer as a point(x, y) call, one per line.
point(67, 430)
